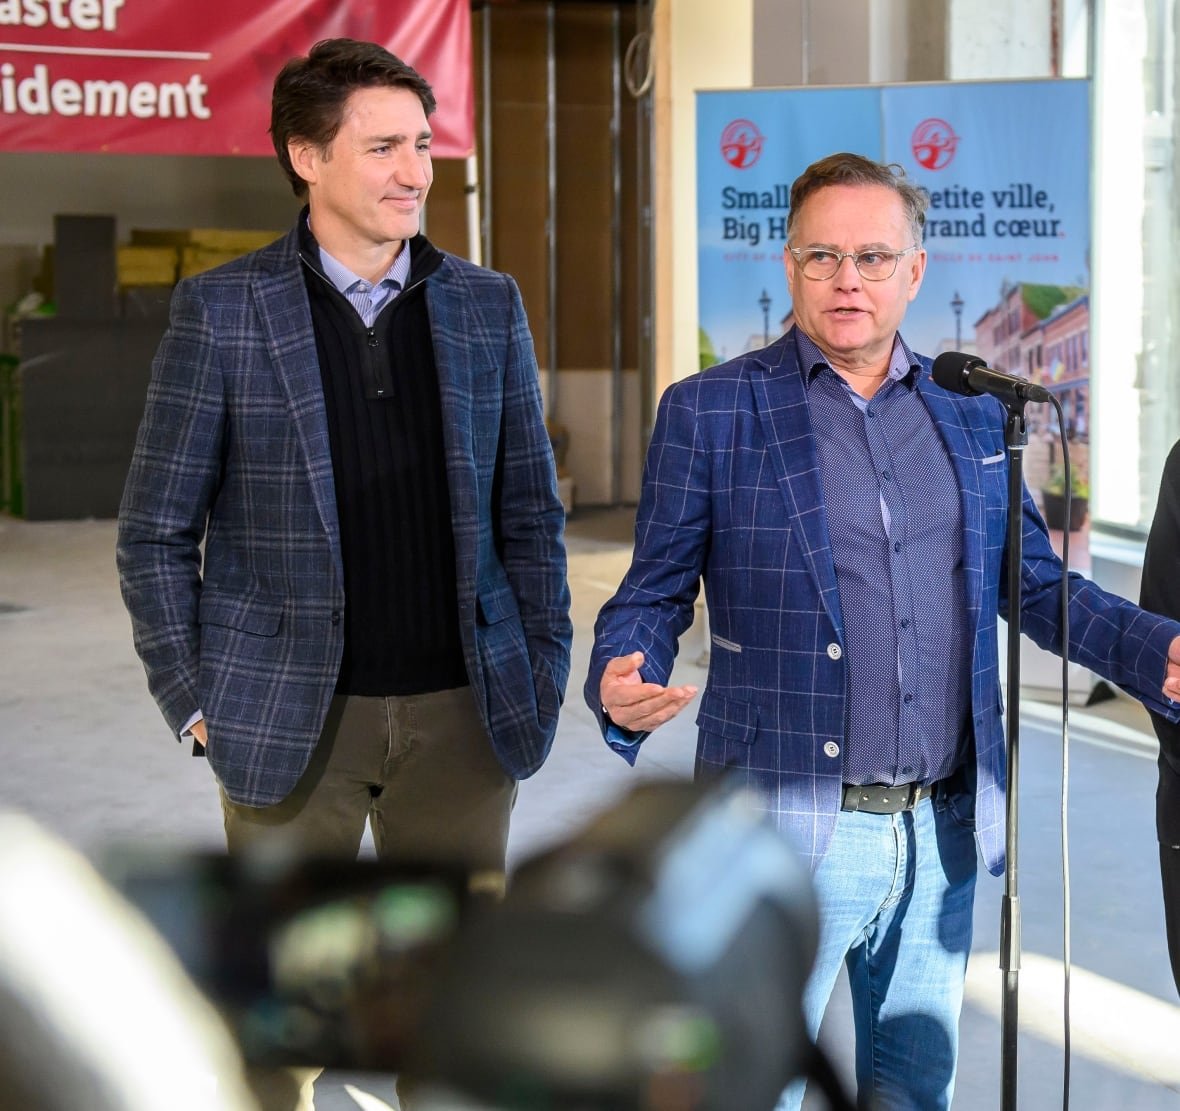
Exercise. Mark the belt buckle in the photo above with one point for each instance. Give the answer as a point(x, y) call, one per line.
point(878, 798)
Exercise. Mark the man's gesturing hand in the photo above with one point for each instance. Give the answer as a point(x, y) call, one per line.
point(634, 704)
point(1171, 673)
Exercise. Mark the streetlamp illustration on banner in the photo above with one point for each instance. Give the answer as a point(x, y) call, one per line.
point(764, 303)
point(957, 307)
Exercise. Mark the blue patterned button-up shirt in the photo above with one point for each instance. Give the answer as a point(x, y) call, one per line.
point(895, 519)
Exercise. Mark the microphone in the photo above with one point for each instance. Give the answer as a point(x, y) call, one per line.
point(969, 375)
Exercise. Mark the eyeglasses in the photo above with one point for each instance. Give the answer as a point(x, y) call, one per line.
point(820, 264)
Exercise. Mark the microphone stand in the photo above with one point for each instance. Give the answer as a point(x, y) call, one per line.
point(1016, 438)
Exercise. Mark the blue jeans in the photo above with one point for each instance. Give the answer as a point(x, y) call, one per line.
point(896, 893)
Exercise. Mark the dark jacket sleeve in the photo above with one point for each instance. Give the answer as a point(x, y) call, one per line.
point(654, 603)
point(530, 522)
point(1161, 594)
point(169, 490)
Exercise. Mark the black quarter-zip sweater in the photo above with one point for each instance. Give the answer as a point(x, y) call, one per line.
point(381, 394)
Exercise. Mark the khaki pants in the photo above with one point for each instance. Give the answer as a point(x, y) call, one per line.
point(421, 771)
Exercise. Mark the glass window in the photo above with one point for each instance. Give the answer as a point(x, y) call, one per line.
point(1136, 380)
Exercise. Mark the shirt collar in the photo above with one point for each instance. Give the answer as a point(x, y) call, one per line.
point(344, 279)
point(903, 366)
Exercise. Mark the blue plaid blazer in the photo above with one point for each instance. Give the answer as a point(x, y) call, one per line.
point(233, 451)
point(732, 494)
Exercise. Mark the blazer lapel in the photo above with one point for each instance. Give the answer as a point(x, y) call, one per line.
point(281, 298)
point(785, 416)
point(964, 452)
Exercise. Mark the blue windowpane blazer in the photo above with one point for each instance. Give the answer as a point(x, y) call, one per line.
point(732, 495)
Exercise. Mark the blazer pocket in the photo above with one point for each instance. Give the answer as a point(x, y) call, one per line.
point(728, 718)
point(260, 616)
point(991, 460)
point(492, 606)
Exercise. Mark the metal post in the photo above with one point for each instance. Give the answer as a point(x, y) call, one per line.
point(616, 274)
point(645, 157)
point(486, 134)
point(1017, 440)
point(471, 189)
point(551, 215)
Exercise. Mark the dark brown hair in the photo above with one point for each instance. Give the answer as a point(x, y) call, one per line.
point(310, 93)
point(855, 169)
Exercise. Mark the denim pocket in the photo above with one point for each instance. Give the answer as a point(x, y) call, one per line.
point(960, 805)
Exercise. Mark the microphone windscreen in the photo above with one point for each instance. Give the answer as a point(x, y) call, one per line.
point(950, 372)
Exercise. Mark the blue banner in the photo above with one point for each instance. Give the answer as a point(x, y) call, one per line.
point(1008, 229)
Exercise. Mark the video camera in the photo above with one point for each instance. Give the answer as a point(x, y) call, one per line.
point(654, 961)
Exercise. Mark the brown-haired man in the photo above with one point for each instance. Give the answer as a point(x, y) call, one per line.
point(351, 422)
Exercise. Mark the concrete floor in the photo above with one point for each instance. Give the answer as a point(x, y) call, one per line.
point(84, 751)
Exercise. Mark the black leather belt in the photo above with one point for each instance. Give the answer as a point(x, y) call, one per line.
point(877, 798)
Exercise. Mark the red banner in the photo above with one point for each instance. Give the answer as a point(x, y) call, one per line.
point(187, 77)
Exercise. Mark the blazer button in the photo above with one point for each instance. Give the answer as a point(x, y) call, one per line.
point(832, 749)
point(835, 651)
point(335, 617)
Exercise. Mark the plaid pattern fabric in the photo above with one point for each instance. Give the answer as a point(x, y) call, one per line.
point(732, 494)
point(233, 451)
